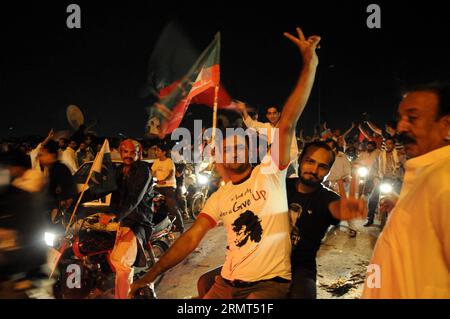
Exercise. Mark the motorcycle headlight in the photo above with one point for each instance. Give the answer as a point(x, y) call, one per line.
point(49, 239)
point(202, 179)
point(385, 188)
point(363, 172)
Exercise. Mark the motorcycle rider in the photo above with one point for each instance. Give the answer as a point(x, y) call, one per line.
point(163, 169)
point(132, 204)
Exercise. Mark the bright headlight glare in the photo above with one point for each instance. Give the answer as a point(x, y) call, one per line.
point(202, 179)
point(363, 171)
point(385, 188)
point(49, 239)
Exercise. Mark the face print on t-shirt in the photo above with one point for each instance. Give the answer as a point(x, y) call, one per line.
point(247, 227)
point(295, 211)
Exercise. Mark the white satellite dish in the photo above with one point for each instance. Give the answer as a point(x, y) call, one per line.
point(74, 116)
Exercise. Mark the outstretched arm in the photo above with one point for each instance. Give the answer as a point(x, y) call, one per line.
point(348, 207)
point(49, 137)
point(296, 102)
point(363, 132)
point(242, 108)
point(374, 128)
point(248, 121)
point(349, 130)
point(182, 247)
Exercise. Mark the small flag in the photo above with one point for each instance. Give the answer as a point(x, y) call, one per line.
point(102, 174)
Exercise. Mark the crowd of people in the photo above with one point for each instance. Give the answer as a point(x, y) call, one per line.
point(277, 212)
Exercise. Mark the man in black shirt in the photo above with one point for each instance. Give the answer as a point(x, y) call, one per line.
point(61, 187)
point(313, 208)
point(131, 202)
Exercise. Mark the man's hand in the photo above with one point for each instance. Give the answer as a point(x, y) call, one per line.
point(135, 286)
point(307, 46)
point(350, 207)
point(49, 137)
point(297, 100)
point(242, 108)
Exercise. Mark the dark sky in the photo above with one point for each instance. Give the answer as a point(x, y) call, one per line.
point(103, 66)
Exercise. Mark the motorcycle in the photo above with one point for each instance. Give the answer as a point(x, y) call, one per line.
point(200, 191)
point(86, 254)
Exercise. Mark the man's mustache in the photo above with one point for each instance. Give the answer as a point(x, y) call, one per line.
point(405, 139)
point(311, 174)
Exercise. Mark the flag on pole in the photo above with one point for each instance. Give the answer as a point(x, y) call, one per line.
point(102, 174)
point(101, 179)
point(203, 75)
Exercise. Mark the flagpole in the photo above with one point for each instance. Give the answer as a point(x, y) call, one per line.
point(216, 98)
point(82, 192)
point(63, 246)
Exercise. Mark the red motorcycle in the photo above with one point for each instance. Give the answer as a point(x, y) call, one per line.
point(89, 249)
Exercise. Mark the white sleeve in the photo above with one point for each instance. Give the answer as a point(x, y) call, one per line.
point(69, 161)
point(33, 156)
point(250, 123)
point(268, 166)
point(212, 207)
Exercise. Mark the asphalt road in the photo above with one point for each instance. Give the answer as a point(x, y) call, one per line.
point(341, 260)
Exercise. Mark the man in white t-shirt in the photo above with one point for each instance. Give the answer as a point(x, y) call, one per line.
point(252, 206)
point(268, 129)
point(164, 171)
point(69, 157)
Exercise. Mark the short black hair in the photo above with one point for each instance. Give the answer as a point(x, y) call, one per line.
point(442, 90)
point(51, 147)
point(162, 146)
point(317, 144)
point(273, 107)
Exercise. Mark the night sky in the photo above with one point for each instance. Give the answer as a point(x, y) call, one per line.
point(103, 66)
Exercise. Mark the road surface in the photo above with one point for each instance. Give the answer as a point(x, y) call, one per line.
point(341, 261)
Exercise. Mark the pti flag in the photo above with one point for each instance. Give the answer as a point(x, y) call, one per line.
point(203, 76)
